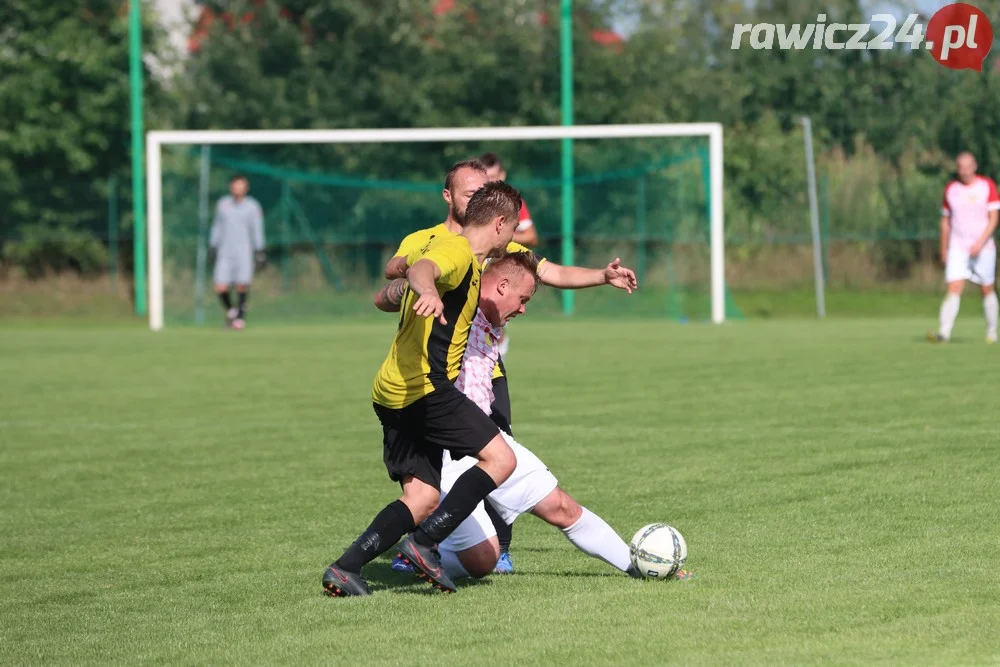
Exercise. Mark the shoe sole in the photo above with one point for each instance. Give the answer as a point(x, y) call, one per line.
point(333, 590)
point(420, 574)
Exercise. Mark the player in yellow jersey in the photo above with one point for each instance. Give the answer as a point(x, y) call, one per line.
point(462, 181)
point(422, 413)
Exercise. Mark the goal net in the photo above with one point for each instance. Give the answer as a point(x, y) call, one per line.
point(336, 204)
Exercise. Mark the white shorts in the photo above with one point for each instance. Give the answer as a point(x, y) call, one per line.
point(527, 486)
point(981, 270)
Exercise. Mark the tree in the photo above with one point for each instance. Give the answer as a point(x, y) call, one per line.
point(65, 106)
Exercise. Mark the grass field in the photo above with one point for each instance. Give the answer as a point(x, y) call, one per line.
point(174, 498)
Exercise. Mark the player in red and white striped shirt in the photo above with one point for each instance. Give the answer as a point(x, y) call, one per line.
point(507, 285)
point(968, 220)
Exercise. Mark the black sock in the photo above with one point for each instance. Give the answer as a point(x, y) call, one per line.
point(394, 521)
point(226, 300)
point(471, 487)
point(504, 530)
point(242, 304)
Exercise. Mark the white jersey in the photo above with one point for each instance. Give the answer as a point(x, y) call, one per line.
point(530, 482)
point(475, 379)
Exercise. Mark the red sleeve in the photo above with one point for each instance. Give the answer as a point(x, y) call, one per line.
point(994, 198)
point(945, 208)
point(525, 215)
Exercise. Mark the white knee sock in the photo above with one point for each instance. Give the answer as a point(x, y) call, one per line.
point(991, 307)
point(949, 311)
point(591, 535)
point(451, 565)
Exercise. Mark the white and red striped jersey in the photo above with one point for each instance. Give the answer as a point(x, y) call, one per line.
point(968, 206)
point(475, 379)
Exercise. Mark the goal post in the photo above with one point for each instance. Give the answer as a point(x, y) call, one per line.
point(157, 140)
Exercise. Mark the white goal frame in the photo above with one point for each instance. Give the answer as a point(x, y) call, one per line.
point(155, 141)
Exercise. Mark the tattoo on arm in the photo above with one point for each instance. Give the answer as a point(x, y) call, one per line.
point(390, 296)
point(394, 291)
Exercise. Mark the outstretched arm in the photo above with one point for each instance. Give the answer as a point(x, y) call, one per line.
point(575, 277)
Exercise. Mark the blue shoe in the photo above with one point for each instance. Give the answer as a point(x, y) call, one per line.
point(505, 565)
point(400, 565)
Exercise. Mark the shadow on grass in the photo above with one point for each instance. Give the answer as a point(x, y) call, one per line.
point(382, 578)
point(584, 575)
point(954, 340)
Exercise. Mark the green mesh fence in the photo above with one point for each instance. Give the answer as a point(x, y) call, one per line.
point(335, 214)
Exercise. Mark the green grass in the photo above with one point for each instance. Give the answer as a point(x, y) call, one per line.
point(64, 299)
point(174, 498)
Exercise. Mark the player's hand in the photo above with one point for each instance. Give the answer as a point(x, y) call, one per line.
point(260, 258)
point(618, 276)
point(976, 249)
point(430, 305)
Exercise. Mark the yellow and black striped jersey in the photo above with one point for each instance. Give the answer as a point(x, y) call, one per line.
point(425, 354)
point(421, 237)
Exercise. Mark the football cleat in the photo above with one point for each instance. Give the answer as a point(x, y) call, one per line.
point(505, 565)
point(239, 324)
point(991, 339)
point(426, 563)
point(935, 337)
point(339, 583)
point(400, 565)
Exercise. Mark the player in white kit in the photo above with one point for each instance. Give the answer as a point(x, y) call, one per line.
point(968, 220)
point(473, 549)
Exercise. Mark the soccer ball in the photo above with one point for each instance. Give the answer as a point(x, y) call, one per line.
point(658, 551)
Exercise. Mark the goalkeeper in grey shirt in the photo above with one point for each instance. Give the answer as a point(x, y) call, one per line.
point(238, 240)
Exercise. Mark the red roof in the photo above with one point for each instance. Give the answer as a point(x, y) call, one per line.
point(207, 17)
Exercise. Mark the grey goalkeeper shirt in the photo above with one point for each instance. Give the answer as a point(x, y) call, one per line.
point(238, 228)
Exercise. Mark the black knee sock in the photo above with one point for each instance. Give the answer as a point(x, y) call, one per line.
point(394, 521)
point(227, 302)
point(504, 530)
point(471, 487)
point(242, 296)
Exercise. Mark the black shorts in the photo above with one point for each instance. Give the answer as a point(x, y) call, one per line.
point(500, 410)
point(414, 438)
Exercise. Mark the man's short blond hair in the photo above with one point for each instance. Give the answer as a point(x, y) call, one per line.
point(513, 266)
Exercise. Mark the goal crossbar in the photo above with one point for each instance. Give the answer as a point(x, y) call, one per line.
point(155, 140)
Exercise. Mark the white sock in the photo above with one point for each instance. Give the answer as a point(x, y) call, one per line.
point(591, 535)
point(949, 311)
point(451, 565)
point(991, 307)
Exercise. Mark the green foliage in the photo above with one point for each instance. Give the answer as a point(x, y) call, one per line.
point(346, 64)
point(43, 250)
point(65, 105)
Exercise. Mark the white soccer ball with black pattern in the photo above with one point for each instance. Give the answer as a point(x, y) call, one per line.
point(658, 551)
